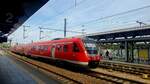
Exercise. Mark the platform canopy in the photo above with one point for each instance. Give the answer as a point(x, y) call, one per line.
point(130, 34)
point(13, 13)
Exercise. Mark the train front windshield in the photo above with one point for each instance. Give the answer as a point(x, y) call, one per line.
point(91, 48)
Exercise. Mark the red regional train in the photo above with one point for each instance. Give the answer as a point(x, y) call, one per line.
point(73, 50)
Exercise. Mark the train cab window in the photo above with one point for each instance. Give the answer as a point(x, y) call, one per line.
point(90, 46)
point(75, 47)
point(65, 48)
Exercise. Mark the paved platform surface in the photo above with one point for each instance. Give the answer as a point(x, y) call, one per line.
point(12, 72)
point(135, 64)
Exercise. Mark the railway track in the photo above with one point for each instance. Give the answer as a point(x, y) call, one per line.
point(111, 78)
point(68, 76)
point(118, 77)
point(85, 77)
point(136, 69)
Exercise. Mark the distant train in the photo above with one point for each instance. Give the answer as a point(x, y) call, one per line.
point(72, 50)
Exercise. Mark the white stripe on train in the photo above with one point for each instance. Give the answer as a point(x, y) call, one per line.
point(71, 61)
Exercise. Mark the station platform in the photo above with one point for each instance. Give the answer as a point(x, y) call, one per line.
point(13, 72)
point(127, 63)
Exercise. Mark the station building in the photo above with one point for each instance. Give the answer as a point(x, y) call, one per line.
point(126, 45)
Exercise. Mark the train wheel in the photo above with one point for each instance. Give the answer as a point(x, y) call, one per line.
point(93, 64)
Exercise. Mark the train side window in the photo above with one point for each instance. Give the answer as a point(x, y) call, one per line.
point(41, 48)
point(59, 48)
point(46, 47)
point(36, 48)
point(75, 47)
point(33, 48)
point(65, 48)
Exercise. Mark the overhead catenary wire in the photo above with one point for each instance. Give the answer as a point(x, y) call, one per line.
point(77, 6)
point(68, 9)
point(102, 18)
point(62, 30)
point(131, 23)
point(117, 14)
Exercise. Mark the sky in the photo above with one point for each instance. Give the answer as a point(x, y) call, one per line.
point(88, 16)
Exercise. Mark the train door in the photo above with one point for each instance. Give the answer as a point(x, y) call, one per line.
point(67, 51)
point(58, 51)
point(75, 50)
point(53, 52)
point(70, 51)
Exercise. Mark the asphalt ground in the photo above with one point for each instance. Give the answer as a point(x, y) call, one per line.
point(13, 71)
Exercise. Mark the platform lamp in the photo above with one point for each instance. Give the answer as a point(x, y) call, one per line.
point(140, 23)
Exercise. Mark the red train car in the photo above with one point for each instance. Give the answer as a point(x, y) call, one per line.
point(73, 50)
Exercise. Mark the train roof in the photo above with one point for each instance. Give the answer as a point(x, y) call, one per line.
point(57, 40)
point(72, 39)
